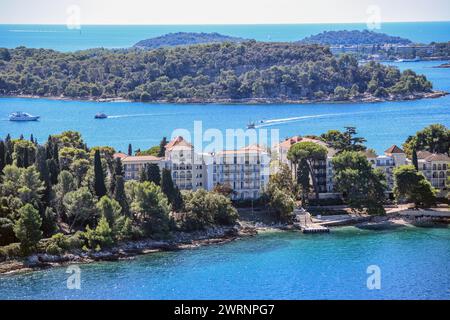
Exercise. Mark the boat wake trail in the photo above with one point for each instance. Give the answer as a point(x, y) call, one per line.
point(141, 115)
point(274, 122)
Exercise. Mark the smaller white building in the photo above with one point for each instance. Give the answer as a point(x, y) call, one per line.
point(434, 166)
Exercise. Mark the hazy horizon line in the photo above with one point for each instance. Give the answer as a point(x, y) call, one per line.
point(225, 24)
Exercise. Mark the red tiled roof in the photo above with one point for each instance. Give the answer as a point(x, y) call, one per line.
point(120, 155)
point(423, 154)
point(394, 149)
point(177, 141)
point(141, 158)
point(290, 141)
point(249, 149)
point(438, 157)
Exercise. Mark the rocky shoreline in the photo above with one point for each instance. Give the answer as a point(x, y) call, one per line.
point(366, 98)
point(184, 240)
point(129, 250)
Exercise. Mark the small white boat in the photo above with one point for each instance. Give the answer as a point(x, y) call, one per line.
point(101, 115)
point(22, 116)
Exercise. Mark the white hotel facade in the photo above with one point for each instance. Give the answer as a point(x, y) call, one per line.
point(247, 170)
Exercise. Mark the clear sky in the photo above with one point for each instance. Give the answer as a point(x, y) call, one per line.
point(220, 11)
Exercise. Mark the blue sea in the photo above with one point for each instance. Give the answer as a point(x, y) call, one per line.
point(281, 265)
point(59, 37)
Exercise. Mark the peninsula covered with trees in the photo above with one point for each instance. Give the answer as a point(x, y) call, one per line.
point(354, 37)
point(184, 39)
point(250, 72)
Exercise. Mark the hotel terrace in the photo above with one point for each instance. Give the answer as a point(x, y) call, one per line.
point(247, 170)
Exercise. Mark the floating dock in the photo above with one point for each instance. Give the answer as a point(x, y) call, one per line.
point(315, 228)
point(305, 223)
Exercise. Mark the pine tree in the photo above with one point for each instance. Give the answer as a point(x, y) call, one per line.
point(120, 196)
point(162, 147)
point(32, 138)
point(130, 150)
point(99, 178)
point(415, 161)
point(28, 228)
point(49, 222)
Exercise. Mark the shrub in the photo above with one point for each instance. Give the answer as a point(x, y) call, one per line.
point(10, 251)
point(99, 237)
point(6, 232)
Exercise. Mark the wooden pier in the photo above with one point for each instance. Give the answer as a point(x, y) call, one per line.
point(303, 221)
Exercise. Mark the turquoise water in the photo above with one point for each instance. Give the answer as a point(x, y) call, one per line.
point(143, 125)
point(413, 262)
point(58, 37)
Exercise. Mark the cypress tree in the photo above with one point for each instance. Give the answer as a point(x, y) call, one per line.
point(153, 174)
point(119, 195)
point(2, 156)
point(167, 185)
point(26, 159)
point(49, 147)
point(99, 179)
point(8, 150)
point(415, 161)
point(117, 170)
point(32, 138)
point(53, 170)
point(178, 203)
point(56, 153)
point(130, 150)
point(143, 175)
point(162, 147)
point(42, 167)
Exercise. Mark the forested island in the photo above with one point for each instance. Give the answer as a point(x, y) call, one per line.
point(184, 39)
point(354, 37)
point(250, 72)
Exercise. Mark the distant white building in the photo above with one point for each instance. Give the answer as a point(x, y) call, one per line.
point(323, 169)
point(434, 166)
point(393, 157)
point(245, 170)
